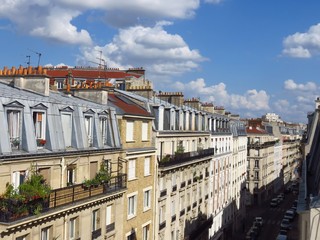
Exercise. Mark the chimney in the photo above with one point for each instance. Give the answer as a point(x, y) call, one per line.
point(175, 98)
point(95, 95)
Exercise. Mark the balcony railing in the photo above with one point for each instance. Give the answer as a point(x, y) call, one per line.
point(163, 193)
point(95, 234)
point(61, 197)
point(170, 160)
point(162, 225)
point(182, 212)
point(174, 188)
point(110, 227)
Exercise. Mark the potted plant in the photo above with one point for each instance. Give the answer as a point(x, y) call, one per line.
point(86, 183)
point(41, 142)
point(15, 142)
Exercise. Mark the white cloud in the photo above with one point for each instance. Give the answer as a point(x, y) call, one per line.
point(44, 19)
point(150, 47)
point(292, 85)
point(54, 20)
point(303, 45)
point(252, 100)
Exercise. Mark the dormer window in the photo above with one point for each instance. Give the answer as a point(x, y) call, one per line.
point(14, 127)
point(89, 127)
point(14, 120)
point(39, 123)
point(66, 119)
point(88, 120)
point(103, 128)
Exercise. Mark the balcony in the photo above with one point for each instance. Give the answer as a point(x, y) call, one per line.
point(174, 188)
point(171, 160)
point(96, 234)
point(182, 212)
point(162, 225)
point(163, 193)
point(60, 197)
point(110, 227)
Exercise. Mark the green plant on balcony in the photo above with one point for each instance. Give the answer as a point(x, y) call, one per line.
point(101, 177)
point(30, 195)
point(15, 142)
point(41, 142)
point(180, 149)
point(166, 158)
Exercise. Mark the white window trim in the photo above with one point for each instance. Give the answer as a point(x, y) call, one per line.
point(129, 131)
point(145, 131)
point(71, 119)
point(148, 172)
point(146, 208)
point(134, 176)
point(130, 216)
point(89, 128)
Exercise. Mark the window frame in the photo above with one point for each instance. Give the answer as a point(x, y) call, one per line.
point(129, 131)
point(147, 201)
point(132, 169)
point(132, 205)
point(67, 112)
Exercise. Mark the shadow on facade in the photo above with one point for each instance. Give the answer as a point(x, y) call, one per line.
point(198, 227)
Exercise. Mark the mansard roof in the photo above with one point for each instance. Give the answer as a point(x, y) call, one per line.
point(125, 106)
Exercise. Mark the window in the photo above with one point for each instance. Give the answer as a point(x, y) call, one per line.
point(147, 166)
point(45, 233)
point(108, 215)
point(129, 133)
point(162, 214)
point(95, 220)
point(103, 128)
point(39, 125)
point(14, 127)
point(131, 169)
point(18, 178)
point(132, 205)
point(71, 174)
point(173, 179)
point(89, 129)
point(108, 166)
point(66, 119)
point(132, 235)
point(256, 163)
point(173, 208)
point(146, 232)
point(147, 200)
point(181, 203)
point(144, 131)
point(73, 228)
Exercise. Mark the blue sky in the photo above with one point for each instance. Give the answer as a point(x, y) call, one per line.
point(252, 57)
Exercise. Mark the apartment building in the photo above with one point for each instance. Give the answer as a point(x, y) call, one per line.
point(308, 206)
point(57, 150)
point(135, 124)
point(260, 169)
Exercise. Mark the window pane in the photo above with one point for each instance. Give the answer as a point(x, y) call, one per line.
point(67, 128)
point(129, 132)
point(145, 131)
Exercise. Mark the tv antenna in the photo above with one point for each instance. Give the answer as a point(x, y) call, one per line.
point(28, 62)
point(39, 55)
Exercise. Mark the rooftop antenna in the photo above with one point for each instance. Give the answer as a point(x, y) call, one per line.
point(28, 62)
point(39, 56)
point(102, 60)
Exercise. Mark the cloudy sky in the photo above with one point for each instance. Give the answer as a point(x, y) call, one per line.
point(252, 57)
